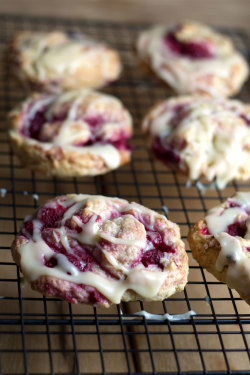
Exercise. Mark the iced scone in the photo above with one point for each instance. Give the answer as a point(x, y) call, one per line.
point(202, 136)
point(192, 58)
point(56, 61)
point(100, 251)
point(77, 133)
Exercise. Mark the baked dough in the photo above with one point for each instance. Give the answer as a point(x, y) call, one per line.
point(192, 58)
point(78, 133)
point(202, 136)
point(55, 61)
point(221, 243)
point(100, 251)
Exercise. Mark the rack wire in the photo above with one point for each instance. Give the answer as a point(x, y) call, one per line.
point(46, 336)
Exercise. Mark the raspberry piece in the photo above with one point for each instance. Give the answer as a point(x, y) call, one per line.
point(205, 231)
point(152, 257)
point(233, 204)
point(94, 121)
point(27, 228)
point(121, 144)
point(194, 50)
point(155, 238)
point(49, 215)
point(95, 297)
point(49, 237)
point(159, 248)
point(82, 264)
point(180, 111)
point(36, 124)
point(51, 262)
point(237, 229)
point(246, 119)
point(166, 248)
point(165, 152)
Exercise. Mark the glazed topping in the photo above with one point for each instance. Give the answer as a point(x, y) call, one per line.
point(99, 242)
point(228, 223)
point(190, 57)
point(203, 136)
point(56, 54)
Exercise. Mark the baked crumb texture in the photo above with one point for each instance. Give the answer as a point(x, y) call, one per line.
point(221, 243)
point(100, 251)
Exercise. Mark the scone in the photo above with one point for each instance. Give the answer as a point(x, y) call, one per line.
point(192, 58)
point(56, 61)
point(100, 251)
point(221, 243)
point(202, 136)
point(78, 133)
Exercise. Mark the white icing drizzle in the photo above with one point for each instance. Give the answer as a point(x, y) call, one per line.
point(89, 232)
point(3, 192)
point(162, 317)
point(165, 209)
point(35, 196)
point(204, 187)
point(232, 254)
point(219, 220)
point(38, 104)
point(107, 152)
point(208, 301)
point(146, 283)
point(121, 241)
point(242, 198)
point(61, 59)
point(117, 265)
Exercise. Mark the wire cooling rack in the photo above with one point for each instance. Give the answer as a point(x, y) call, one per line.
point(46, 336)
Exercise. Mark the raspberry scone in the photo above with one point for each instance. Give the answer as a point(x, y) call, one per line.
point(80, 132)
point(192, 58)
point(100, 251)
point(221, 243)
point(202, 136)
point(55, 61)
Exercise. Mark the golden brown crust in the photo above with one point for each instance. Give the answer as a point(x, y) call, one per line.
point(206, 249)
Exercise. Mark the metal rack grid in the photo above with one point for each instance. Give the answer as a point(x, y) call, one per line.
point(46, 336)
